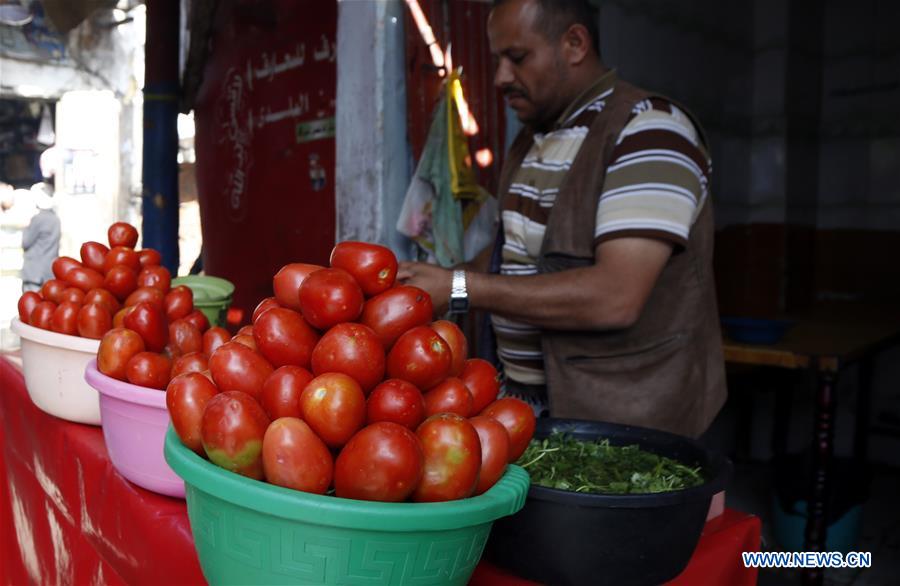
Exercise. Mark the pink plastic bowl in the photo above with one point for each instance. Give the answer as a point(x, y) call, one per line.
point(134, 421)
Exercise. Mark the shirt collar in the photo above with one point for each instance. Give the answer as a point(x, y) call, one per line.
point(603, 84)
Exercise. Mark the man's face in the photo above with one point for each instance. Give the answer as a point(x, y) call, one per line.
point(529, 68)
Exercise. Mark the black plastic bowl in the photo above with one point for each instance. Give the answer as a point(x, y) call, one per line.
point(563, 537)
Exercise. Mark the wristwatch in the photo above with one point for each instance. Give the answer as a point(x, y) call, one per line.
point(459, 296)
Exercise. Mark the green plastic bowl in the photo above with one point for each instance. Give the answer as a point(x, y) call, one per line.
point(251, 532)
point(212, 295)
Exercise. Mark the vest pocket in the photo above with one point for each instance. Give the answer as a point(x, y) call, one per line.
point(629, 359)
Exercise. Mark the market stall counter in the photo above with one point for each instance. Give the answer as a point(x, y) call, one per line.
point(66, 516)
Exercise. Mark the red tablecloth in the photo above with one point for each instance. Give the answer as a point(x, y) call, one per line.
point(67, 517)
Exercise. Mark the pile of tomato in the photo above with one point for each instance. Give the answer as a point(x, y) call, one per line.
point(343, 383)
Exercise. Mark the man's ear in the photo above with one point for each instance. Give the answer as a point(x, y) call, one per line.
point(576, 44)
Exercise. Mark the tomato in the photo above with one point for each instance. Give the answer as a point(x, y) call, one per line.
point(93, 254)
point(494, 451)
point(246, 330)
point(235, 367)
point(148, 294)
point(293, 456)
point(120, 255)
point(247, 341)
point(518, 419)
point(186, 398)
point(185, 337)
point(65, 318)
point(149, 257)
point(121, 281)
point(383, 462)
point(148, 320)
point(419, 356)
point(287, 281)
point(148, 369)
point(122, 234)
point(157, 277)
point(52, 290)
point(93, 321)
point(117, 347)
point(334, 406)
point(452, 458)
point(42, 314)
point(281, 391)
point(483, 382)
point(373, 266)
point(191, 362)
point(73, 294)
point(459, 347)
point(395, 311)
point(232, 430)
point(284, 337)
point(329, 297)
point(353, 349)
point(62, 265)
point(198, 318)
point(449, 396)
point(213, 338)
point(264, 305)
point(178, 302)
point(84, 278)
point(27, 302)
point(397, 401)
point(119, 317)
point(102, 297)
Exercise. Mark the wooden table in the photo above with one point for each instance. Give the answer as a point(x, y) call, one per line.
point(825, 345)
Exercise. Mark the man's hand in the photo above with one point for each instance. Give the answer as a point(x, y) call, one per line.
point(432, 279)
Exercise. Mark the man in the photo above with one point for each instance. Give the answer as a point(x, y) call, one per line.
point(604, 306)
point(40, 240)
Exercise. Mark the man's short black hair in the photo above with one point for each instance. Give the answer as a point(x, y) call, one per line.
point(558, 15)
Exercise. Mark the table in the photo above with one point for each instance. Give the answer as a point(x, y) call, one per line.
point(825, 345)
point(67, 517)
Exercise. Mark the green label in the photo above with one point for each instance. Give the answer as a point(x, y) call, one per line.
point(315, 130)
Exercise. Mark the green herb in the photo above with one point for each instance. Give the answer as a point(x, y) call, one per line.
point(563, 462)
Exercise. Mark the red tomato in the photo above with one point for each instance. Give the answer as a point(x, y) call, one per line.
point(353, 349)
point(287, 281)
point(247, 341)
point(185, 337)
point(121, 281)
point(494, 451)
point(198, 318)
point(329, 297)
point(264, 305)
point(93, 254)
point(148, 369)
point(373, 266)
point(397, 401)
point(459, 347)
point(102, 297)
point(148, 294)
point(122, 234)
point(334, 406)
point(452, 458)
point(518, 419)
point(52, 290)
point(93, 321)
point(294, 456)
point(149, 257)
point(120, 255)
point(284, 337)
point(281, 391)
point(383, 462)
point(235, 367)
point(117, 347)
point(419, 356)
point(186, 398)
point(119, 317)
point(178, 302)
point(73, 294)
point(148, 320)
point(192, 362)
point(42, 314)
point(483, 382)
point(157, 277)
point(395, 311)
point(65, 318)
point(213, 338)
point(232, 431)
point(27, 302)
point(62, 265)
point(84, 278)
point(449, 396)
point(246, 330)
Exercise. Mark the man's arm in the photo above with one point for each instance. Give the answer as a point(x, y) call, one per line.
point(608, 295)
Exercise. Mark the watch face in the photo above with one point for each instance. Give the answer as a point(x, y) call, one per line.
point(459, 305)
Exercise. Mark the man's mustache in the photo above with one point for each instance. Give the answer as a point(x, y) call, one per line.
point(514, 92)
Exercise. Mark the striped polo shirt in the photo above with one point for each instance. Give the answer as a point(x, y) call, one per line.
point(655, 187)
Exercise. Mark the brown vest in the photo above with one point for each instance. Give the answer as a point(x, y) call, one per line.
point(667, 370)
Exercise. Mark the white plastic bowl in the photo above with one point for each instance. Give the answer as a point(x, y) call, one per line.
point(54, 365)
